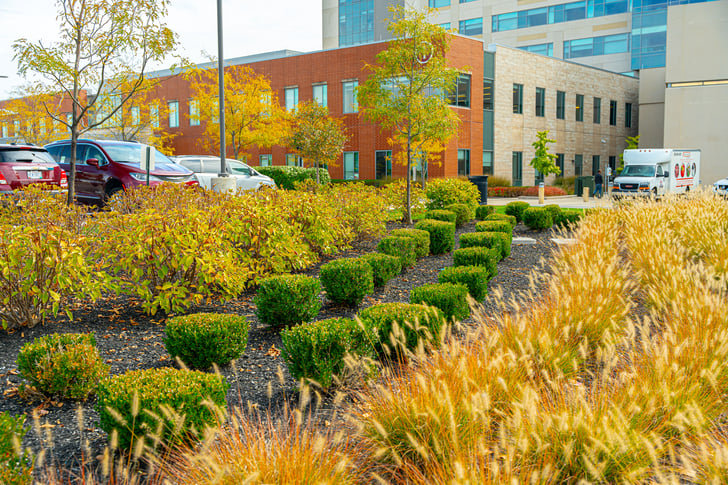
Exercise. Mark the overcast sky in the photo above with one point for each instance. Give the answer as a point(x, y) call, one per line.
point(249, 27)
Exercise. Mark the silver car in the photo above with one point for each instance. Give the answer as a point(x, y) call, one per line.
point(721, 187)
point(207, 167)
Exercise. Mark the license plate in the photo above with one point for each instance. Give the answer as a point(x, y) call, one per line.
point(35, 174)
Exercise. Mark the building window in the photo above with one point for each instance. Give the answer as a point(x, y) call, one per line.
point(596, 46)
point(560, 105)
point(488, 94)
point(613, 163)
point(487, 163)
point(154, 115)
point(517, 169)
point(265, 160)
point(460, 95)
point(578, 163)
point(579, 107)
point(349, 95)
point(595, 164)
point(5, 130)
point(597, 110)
point(518, 98)
point(351, 165)
point(540, 101)
point(439, 3)
point(293, 160)
point(543, 49)
point(382, 164)
point(320, 94)
point(537, 177)
point(173, 107)
point(560, 163)
point(628, 115)
point(564, 12)
point(613, 113)
point(463, 162)
point(135, 116)
point(356, 22)
point(466, 1)
point(194, 112)
point(471, 26)
point(446, 26)
point(291, 95)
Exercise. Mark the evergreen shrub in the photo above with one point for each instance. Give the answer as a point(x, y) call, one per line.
point(203, 339)
point(442, 235)
point(402, 247)
point(384, 267)
point(463, 213)
point(502, 217)
point(450, 298)
point(442, 215)
point(494, 226)
point(288, 300)
point(495, 240)
point(516, 209)
point(477, 256)
point(537, 218)
point(475, 278)
point(422, 240)
point(347, 280)
point(483, 211)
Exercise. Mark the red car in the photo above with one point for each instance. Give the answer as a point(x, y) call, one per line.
point(104, 167)
point(23, 165)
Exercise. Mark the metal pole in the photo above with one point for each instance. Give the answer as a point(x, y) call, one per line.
point(221, 89)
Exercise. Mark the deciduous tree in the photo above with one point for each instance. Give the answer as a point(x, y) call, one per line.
point(104, 46)
point(406, 90)
point(544, 161)
point(316, 136)
point(31, 115)
point(252, 113)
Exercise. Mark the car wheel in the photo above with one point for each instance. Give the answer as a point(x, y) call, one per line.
point(112, 191)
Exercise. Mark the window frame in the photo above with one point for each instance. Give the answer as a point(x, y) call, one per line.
point(293, 105)
point(612, 112)
point(579, 108)
point(173, 117)
point(560, 105)
point(540, 106)
point(349, 106)
point(517, 98)
point(597, 111)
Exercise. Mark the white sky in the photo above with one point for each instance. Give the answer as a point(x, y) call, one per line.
point(249, 27)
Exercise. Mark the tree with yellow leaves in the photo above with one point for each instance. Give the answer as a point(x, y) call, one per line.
point(30, 117)
point(252, 113)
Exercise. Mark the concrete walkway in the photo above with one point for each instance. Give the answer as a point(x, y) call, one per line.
point(565, 201)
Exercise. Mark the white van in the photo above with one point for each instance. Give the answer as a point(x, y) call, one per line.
point(208, 167)
point(658, 171)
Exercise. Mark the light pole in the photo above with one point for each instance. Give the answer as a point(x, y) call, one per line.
point(221, 183)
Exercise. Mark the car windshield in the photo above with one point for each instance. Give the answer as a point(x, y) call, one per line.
point(131, 153)
point(16, 156)
point(639, 171)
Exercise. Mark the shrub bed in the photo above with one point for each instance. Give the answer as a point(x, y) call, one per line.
point(66, 365)
point(554, 210)
point(347, 280)
point(463, 213)
point(538, 218)
point(287, 300)
point(477, 256)
point(442, 235)
point(287, 177)
point(516, 209)
point(451, 299)
point(384, 267)
point(422, 240)
point(568, 217)
point(401, 326)
point(401, 247)
point(441, 215)
point(502, 217)
point(475, 278)
point(203, 339)
point(483, 211)
point(494, 226)
point(494, 240)
point(153, 401)
point(316, 352)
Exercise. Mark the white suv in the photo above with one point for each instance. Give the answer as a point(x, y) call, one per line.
point(207, 167)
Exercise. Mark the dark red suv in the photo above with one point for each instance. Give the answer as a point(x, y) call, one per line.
point(23, 165)
point(104, 167)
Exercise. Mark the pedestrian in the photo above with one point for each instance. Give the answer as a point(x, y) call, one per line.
point(598, 182)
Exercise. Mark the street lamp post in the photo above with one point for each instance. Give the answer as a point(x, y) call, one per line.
point(221, 183)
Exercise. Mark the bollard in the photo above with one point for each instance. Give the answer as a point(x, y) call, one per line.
point(541, 191)
point(586, 194)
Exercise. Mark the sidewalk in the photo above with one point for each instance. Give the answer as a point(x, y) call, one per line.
point(564, 201)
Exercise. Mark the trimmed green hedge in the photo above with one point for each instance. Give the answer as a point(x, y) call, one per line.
point(538, 218)
point(203, 339)
point(502, 217)
point(402, 247)
point(483, 211)
point(478, 256)
point(516, 209)
point(474, 277)
point(442, 234)
point(286, 177)
point(441, 215)
point(568, 217)
point(496, 240)
point(451, 298)
point(422, 240)
point(287, 300)
point(384, 267)
point(494, 226)
point(347, 280)
point(463, 212)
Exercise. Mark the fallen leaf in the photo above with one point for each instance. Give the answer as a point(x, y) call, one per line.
point(273, 352)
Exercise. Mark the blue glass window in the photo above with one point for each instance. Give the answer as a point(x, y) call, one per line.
point(445, 26)
point(471, 26)
point(543, 49)
point(596, 46)
point(556, 14)
point(356, 22)
point(439, 3)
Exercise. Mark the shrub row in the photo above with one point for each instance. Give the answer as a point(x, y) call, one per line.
point(287, 177)
point(549, 191)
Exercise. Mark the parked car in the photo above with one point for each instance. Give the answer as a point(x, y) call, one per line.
point(105, 167)
point(721, 187)
point(23, 165)
point(206, 167)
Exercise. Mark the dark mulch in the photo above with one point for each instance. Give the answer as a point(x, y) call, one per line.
point(128, 339)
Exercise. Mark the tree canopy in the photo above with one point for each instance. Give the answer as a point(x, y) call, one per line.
point(543, 160)
point(407, 87)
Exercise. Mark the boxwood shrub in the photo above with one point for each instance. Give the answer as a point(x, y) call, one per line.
point(399, 327)
point(402, 247)
point(450, 298)
point(494, 226)
point(538, 218)
point(287, 177)
point(347, 280)
point(478, 256)
point(495, 240)
point(315, 352)
point(554, 210)
point(463, 213)
point(287, 300)
point(203, 339)
point(474, 277)
point(152, 401)
point(502, 217)
point(66, 365)
point(568, 217)
point(422, 240)
point(483, 211)
point(516, 209)
point(442, 235)
point(384, 267)
point(441, 215)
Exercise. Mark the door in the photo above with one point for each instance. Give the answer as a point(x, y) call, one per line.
point(93, 179)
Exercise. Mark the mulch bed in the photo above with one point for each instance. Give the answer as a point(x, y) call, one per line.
point(128, 339)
